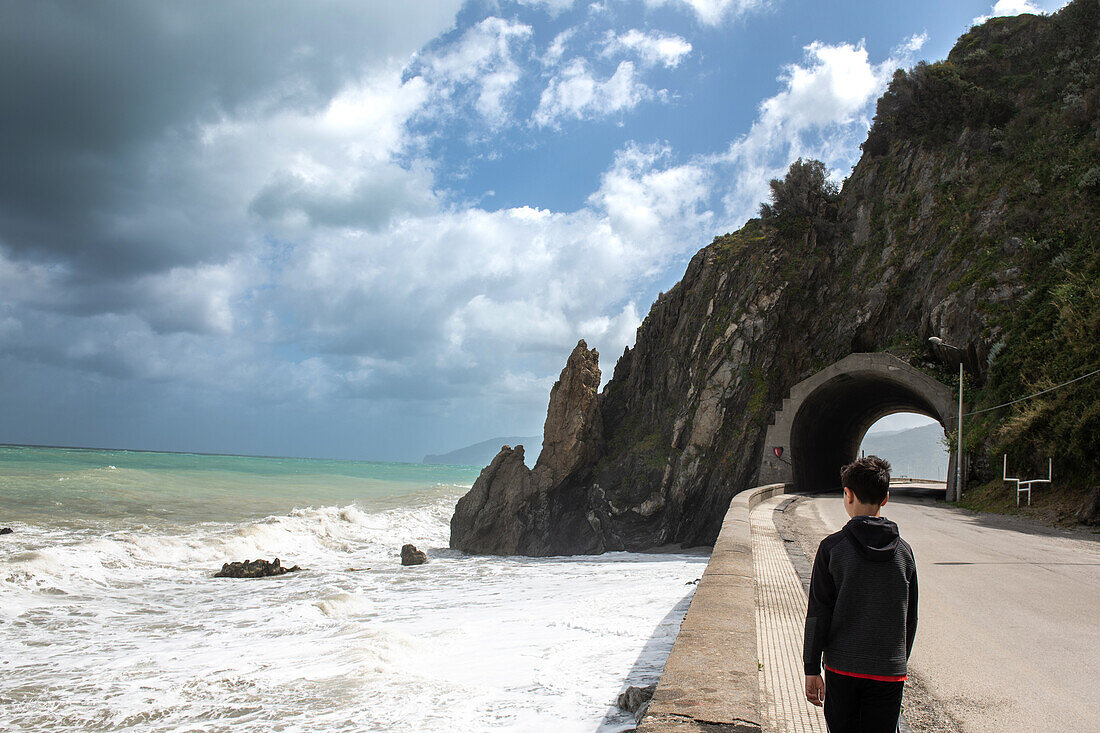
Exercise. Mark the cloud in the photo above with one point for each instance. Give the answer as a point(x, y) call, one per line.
point(364, 199)
point(556, 49)
point(459, 295)
point(905, 50)
point(822, 111)
point(713, 12)
point(575, 93)
point(253, 206)
point(650, 48)
point(481, 58)
point(639, 196)
point(91, 139)
point(300, 248)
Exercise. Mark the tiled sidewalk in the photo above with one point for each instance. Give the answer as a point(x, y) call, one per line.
point(780, 619)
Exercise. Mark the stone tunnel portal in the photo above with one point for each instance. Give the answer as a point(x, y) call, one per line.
point(820, 426)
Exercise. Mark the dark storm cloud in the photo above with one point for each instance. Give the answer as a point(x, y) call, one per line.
point(103, 99)
point(370, 204)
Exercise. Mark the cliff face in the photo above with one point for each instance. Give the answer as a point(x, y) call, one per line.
point(971, 215)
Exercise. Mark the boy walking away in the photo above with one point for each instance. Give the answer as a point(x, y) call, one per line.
point(862, 611)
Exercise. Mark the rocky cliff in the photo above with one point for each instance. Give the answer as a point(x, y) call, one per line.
point(972, 215)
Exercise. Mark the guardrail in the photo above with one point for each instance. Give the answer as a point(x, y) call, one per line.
point(711, 680)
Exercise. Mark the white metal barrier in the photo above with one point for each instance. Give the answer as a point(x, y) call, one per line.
point(1022, 486)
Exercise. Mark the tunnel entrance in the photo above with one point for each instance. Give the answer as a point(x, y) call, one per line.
point(820, 425)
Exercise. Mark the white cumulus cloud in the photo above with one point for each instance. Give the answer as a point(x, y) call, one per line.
point(638, 194)
point(556, 49)
point(484, 58)
point(576, 93)
point(459, 295)
point(651, 48)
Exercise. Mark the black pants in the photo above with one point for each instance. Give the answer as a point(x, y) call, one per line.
point(854, 705)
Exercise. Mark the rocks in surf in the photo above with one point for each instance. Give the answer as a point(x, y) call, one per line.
point(412, 556)
point(6, 530)
point(636, 700)
point(253, 569)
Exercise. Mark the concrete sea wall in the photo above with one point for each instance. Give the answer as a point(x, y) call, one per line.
point(711, 680)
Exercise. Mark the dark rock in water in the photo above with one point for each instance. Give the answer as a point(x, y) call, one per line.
point(6, 530)
point(412, 556)
point(254, 569)
point(636, 699)
point(514, 510)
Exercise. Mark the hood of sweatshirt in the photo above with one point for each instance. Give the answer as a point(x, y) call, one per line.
point(875, 538)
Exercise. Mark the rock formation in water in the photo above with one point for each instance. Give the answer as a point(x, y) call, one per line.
point(973, 214)
point(636, 700)
point(6, 530)
point(412, 556)
point(254, 569)
point(514, 510)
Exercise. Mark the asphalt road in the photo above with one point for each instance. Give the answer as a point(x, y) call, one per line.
point(1009, 631)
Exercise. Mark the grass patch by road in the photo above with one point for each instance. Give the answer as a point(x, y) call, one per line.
point(1051, 505)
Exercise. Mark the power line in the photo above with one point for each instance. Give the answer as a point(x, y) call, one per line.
point(1059, 386)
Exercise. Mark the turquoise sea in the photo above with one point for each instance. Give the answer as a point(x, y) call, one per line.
point(76, 484)
point(110, 618)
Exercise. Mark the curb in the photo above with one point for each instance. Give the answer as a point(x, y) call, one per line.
point(711, 679)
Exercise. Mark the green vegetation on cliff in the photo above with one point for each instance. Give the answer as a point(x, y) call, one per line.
point(1017, 103)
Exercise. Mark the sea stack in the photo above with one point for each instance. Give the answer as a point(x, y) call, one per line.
point(513, 510)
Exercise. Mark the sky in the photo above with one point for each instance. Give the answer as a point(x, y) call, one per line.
point(376, 230)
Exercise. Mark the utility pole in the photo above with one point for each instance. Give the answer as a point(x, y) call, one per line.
point(937, 341)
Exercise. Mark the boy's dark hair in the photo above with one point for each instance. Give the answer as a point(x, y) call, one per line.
point(868, 478)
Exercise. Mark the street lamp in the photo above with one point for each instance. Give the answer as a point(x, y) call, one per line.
point(937, 341)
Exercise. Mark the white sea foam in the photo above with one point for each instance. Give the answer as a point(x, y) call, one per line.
point(124, 627)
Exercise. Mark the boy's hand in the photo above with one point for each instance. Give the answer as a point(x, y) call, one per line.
point(815, 689)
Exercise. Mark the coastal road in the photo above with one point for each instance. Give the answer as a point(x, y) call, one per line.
point(1009, 632)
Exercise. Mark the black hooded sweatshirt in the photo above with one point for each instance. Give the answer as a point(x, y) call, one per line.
point(862, 609)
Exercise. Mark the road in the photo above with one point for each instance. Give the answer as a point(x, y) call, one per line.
point(1009, 632)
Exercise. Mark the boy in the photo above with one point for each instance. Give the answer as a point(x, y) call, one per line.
point(862, 610)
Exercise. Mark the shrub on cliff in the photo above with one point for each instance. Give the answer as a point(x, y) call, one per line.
point(933, 102)
point(805, 192)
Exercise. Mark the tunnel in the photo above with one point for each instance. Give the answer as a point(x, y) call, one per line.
point(819, 427)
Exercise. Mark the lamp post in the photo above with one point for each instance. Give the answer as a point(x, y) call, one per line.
point(937, 341)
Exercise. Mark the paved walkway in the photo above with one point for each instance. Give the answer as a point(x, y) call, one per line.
point(780, 621)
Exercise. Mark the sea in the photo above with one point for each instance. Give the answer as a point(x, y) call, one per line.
point(111, 619)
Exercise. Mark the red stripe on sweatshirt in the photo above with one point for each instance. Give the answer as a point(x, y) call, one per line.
point(877, 677)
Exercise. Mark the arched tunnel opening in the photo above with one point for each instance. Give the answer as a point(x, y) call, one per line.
point(820, 424)
point(831, 422)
